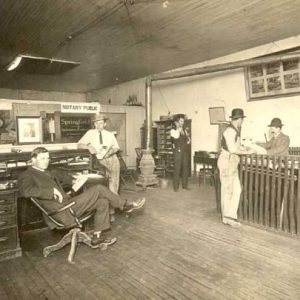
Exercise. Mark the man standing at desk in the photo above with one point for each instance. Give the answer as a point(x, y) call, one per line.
point(228, 165)
point(181, 140)
point(279, 143)
point(104, 145)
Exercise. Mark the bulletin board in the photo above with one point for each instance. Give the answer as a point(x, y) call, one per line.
point(73, 127)
point(216, 115)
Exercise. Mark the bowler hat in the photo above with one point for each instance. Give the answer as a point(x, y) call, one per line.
point(237, 113)
point(100, 117)
point(276, 122)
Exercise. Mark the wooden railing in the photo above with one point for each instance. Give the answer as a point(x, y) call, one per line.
point(294, 151)
point(270, 192)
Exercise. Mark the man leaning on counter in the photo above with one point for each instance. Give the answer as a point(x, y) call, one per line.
point(279, 143)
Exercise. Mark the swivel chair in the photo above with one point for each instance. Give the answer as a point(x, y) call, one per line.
point(74, 236)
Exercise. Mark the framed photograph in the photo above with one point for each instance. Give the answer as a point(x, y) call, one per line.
point(29, 130)
point(216, 115)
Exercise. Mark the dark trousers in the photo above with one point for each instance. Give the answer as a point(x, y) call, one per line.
point(98, 198)
point(180, 169)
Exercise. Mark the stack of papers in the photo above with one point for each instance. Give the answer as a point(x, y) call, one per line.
point(80, 181)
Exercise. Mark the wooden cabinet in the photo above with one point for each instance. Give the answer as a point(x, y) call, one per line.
point(9, 235)
point(164, 144)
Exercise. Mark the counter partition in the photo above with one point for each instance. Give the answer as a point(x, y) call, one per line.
point(270, 194)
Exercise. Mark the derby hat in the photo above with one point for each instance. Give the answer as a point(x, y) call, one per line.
point(100, 117)
point(276, 122)
point(237, 113)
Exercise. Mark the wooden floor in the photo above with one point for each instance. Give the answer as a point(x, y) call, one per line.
point(176, 248)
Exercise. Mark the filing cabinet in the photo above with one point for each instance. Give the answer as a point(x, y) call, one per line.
point(9, 236)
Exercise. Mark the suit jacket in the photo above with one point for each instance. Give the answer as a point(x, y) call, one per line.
point(40, 184)
point(278, 145)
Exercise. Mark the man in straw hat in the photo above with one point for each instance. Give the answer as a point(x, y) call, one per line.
point(104, 145)
point(228, 166)
point(279, 143)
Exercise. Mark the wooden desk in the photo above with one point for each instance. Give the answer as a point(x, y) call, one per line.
point(9, 235)
point(205, 161)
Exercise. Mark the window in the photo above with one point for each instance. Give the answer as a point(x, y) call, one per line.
point(271, 79)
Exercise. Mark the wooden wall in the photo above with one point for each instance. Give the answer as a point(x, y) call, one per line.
point(42, 95)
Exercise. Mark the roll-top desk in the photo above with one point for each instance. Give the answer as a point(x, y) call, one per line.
point(16, 215)
point(9, 235)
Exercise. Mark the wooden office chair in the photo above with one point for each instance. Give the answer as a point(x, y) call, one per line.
point(96, 166)
point(208, 168)
point(125, 173)
point(74, 236)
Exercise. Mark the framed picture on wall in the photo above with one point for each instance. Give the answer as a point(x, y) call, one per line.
point(216, 115)
point(29, 130)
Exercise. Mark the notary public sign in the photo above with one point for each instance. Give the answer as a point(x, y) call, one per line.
point(83, 108)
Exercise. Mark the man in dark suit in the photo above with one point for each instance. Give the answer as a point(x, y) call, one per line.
point(181, 142)
point(45, 184)
point(279, 143)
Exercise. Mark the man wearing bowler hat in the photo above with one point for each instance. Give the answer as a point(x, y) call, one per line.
point(104, 145)
point(228, 162)
point(279, 143)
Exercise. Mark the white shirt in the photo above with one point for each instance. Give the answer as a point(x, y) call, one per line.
point(92, 137)
point(230, 135)
point(175, 133)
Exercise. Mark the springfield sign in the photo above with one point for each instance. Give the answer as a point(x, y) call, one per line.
point(83, 108)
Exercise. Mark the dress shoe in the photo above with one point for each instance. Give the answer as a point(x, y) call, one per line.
point(97, 242)
point(135, 205)
point(112, 218)
point(187, 188)
point(231, 222)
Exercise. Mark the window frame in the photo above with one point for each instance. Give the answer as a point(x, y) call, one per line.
point(283, 91)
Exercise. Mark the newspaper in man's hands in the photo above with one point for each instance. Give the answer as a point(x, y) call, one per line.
point(79, 182)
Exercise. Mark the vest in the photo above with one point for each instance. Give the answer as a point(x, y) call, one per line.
point(181, 142)
point(223, 141)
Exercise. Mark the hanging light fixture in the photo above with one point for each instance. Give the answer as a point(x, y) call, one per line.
point(14, 63)
point(40, 65)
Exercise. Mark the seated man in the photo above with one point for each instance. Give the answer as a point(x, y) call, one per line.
point(44, 184)
point(279, 143)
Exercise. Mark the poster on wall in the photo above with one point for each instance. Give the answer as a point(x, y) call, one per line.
point(7, 127)
point(29, 130)
point(216, 115)
point(73, 127)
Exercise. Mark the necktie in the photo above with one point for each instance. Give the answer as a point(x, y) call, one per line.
point(100, 138)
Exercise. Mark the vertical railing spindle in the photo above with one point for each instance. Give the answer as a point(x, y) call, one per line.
point(279, 192)
point(272, 197)
point(261, 190)
point(283, 214)
point(250, 191)
point(267, 194)
point(291, 202)
point(256, 190)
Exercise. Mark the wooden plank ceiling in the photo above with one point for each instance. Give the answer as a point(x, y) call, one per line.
point(117, 41)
